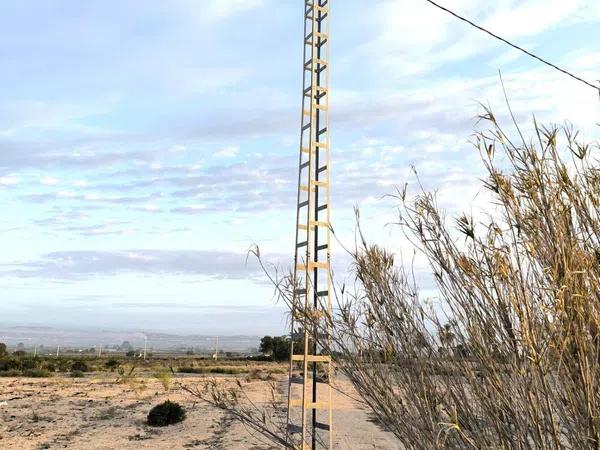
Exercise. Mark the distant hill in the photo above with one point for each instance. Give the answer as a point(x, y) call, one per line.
point(32, 336)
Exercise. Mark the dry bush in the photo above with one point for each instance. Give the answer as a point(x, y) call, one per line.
point(164, 376)
point(509, 357)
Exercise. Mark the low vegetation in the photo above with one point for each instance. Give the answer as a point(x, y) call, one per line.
point(166, 413)
point(79, 366)
point(24, 364)
point(214, 370)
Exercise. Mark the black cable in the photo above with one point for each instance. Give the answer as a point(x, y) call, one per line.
point(597, 88)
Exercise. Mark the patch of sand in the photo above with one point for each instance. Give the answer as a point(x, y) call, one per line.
point(95, 412)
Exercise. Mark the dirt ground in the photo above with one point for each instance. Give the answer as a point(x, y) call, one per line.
point(96, 412)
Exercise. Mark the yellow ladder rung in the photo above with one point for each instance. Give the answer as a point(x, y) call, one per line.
point(313, 265)
point(301, 226)
point(323, 36)
point(320, 106)
point(312, 358)
point(319, 223)
point(315, 61)
point(309, 405)
point(320, 144)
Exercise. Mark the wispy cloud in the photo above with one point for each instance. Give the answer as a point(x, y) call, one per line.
point(83, 264)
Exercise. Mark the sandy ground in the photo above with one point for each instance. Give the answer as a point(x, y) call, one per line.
point(95, 412)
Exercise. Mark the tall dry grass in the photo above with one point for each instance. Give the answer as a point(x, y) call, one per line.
point(509, 357)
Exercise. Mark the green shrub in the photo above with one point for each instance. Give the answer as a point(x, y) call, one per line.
point(10, 364)
point(29, 363)
point(64, 365)
point(49, 366)
point(36, 373)
point(166, 413)
point(79, 366)
point(10, 373)
point(76, 374)
point(112, 364)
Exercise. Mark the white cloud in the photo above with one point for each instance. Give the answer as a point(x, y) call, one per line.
point(413, 37)
point(507, 57)
point(9, 180)
point(213, 11)
point(49, 181)
point(151, 208)
point(191, 208)
point(530, 17)
point(67, 194)
point(227, 152)
point(67, 265)
point(226, 8)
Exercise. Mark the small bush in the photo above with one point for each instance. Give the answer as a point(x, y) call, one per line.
point(29, 363)
point(79, 366)
point(64, 365)
point(76, 374)
point(167, 413)
point(49, 366)
point(10, 364)
point(36, 373)
point(10, 373)
point(112, 364)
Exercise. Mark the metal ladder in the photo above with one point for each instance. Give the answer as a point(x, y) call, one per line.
point(309, 417)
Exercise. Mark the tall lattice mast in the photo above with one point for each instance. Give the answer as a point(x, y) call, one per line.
point(309, 395)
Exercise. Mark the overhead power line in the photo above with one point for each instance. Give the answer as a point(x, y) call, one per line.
point(542, 60)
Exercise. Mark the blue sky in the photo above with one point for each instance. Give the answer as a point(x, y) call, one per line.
point(145, 146)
